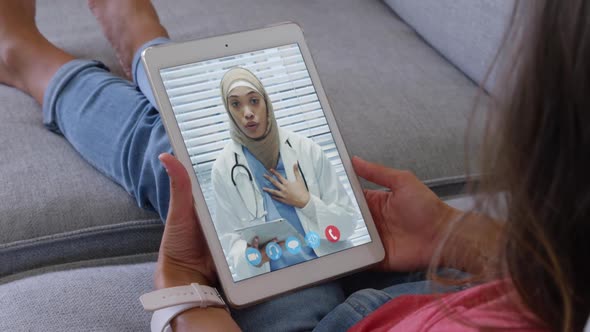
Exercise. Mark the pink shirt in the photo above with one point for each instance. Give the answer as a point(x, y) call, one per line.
point(485, 305)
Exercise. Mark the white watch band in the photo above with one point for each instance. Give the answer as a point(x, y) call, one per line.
point(161, 318)
point(168, 303)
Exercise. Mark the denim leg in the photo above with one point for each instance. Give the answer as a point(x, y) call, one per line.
point(363, 302)
point(356, 307)
point(299, 311)
point(113, 126)
point(138, 71)
point(377, 280)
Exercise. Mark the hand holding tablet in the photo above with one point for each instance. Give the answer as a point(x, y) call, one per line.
point(251, 123)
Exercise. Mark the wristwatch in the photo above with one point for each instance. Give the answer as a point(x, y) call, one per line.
point(168, 303)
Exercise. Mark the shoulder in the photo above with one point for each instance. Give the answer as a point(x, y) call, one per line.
point(299, 142)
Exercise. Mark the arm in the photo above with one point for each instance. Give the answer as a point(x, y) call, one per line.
point(196, 319)
point(184, 257)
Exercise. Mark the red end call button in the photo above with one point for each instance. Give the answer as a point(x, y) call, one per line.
point(332, 233)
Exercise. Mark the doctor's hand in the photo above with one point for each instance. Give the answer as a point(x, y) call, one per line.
point(410, 218)
point(291, 193)
point(183, 257)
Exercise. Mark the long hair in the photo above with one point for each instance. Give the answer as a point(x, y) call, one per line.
point(535, 163)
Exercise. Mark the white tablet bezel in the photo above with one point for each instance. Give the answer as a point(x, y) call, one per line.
point(258, 288)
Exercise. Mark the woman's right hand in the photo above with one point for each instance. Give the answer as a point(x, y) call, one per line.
point(410, 218)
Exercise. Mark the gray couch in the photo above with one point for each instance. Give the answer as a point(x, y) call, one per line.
point(75, 250)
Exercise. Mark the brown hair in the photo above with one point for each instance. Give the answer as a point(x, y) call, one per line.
point(536, 153)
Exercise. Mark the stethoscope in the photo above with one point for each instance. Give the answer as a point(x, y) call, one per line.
point(238, 165)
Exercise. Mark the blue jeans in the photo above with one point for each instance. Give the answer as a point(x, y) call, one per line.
point(115, 126)
point(363, 302)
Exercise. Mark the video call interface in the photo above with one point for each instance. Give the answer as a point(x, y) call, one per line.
point(265, 159)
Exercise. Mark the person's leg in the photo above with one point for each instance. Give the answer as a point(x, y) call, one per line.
point(112, 17)
point(21, 43)
point(107, 120)
point(363, 302)
point(138, 72)
point(145, 32)
point(299, 311)
point(113, 126)
point(377, 280)
point(128, 25)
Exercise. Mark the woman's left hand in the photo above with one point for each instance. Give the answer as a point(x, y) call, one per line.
point(291, 193)
point(184, 257)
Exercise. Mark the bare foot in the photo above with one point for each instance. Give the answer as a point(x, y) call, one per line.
point(28, 60)
point(8, 76)
point(17, 23)
point(127, 24)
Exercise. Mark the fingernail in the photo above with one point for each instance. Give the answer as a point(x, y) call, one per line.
point(163, 163)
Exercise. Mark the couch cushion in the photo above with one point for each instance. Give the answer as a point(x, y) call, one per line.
point(87, 299)
point(85, 244)
point(466, 32)
point(397, 100)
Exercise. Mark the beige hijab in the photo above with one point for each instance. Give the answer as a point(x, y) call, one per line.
point(266, 147)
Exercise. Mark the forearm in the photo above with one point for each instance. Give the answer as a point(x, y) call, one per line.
point(472, 244)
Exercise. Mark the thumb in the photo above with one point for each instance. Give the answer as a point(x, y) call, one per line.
point(378, 174)
point(181, 209)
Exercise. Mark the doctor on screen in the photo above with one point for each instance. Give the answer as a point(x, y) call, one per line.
point(266, 173)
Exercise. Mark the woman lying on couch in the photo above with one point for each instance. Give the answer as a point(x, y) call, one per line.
point(527, 272)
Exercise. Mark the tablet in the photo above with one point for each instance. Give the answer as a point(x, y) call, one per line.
point(277, 230)
point(246, 114)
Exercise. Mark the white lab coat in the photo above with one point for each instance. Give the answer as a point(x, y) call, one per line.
point(329, 203)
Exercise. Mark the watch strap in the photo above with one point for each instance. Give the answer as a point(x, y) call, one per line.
point(161, 318)
point(168, 303)
point(203, 296)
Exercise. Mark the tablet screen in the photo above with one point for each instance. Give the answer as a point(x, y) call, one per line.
point(262, 150)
